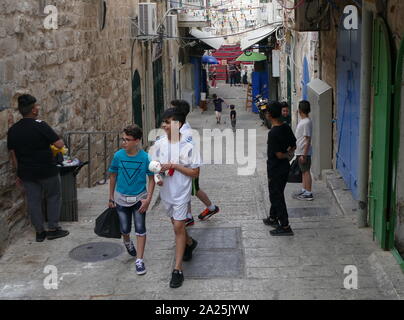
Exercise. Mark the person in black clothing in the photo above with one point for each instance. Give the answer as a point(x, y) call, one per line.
point(218, 107)
point(245, 76)
point(29, 142)
point(281, 146)
point(233, 115)
point(238, 76)
point(232, 72)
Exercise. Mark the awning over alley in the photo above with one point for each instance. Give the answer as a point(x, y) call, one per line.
point(210, 40)
point(256, 36)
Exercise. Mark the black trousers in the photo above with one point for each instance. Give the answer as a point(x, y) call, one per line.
point(276, 186)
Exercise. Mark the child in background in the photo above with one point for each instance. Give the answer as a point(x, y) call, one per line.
point(128, 193)
point(218, 107)
point(233, 115)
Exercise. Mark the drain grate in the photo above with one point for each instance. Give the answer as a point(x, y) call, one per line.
point(218, 254)
point(96, 251)
point(308, 212)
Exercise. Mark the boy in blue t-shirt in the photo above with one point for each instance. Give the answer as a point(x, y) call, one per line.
point(127, 191)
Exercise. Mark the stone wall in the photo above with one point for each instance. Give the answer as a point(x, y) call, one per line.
point(79, 74)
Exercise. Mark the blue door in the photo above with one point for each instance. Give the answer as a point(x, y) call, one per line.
point(348, 105)
point(259, 87)
point(306, 78)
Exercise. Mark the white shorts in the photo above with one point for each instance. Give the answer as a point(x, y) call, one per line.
point(176, 212)
point(218, 114)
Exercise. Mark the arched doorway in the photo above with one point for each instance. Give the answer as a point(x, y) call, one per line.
point(137, 100)
point(158, 90)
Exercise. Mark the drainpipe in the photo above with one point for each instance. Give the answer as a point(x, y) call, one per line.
point(364, 128)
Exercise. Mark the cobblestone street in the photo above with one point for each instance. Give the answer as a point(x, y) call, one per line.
point(236, 259)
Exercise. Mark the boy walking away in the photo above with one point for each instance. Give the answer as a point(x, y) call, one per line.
point(29, 142)
point(218, 107)
point(281, 145)
point(233, 115)
point(304, 150)
point(186, 133)
point(127, 191)
point(179, 156)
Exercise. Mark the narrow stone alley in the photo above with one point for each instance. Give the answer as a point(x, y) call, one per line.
point(236, 258)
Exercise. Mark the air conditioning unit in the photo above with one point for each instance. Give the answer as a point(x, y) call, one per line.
point(312, 15)
point(320, 97)
point(147, 20)
point(171, 26)
point(175, 4)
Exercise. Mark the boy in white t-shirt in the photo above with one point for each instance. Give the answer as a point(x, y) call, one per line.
point(186, 133)
point(304, 150)
point(179, 155)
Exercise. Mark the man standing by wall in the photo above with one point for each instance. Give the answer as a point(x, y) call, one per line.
point(29, 142)
point(303, 151)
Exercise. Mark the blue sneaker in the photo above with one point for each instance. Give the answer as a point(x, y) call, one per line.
point(140, 268)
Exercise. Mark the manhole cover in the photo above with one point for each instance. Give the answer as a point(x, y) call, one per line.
point(96, 251)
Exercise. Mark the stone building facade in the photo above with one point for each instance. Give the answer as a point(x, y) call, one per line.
point(81, 75)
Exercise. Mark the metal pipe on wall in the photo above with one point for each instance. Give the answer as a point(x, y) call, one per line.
point(364, 128)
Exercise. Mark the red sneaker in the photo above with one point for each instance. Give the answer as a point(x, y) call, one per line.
point(206, 214)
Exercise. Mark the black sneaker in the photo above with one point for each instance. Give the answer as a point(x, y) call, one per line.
point(188, 250)
point(189, 222)
point(271, 222)
point(305, 197)
point(40, 236)
point(131, 249)
point(58, 233)
point(177, 278)
point(281, 231)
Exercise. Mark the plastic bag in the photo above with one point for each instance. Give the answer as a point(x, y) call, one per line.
point(295, 174)
point(107, 225)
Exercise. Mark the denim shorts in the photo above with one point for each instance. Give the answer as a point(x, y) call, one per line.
point(125, 217)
